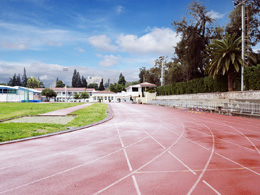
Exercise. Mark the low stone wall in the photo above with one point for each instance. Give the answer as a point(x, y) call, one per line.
point(235, 95)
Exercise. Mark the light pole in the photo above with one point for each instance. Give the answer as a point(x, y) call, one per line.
point(65, 69)
point(162, 71)
point(242, 3)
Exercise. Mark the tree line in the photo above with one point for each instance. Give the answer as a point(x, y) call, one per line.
point(206, 48)
point(30, 82)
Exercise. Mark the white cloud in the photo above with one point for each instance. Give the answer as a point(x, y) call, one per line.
point(109, 60)
point(13, 46)
point(119, 9)
point(159, 41)
point(21, 37)
point(49, 72)
point(102, 42)
point(80, 50)
point(215, 15)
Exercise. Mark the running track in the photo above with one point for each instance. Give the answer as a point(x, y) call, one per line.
point(142, 150)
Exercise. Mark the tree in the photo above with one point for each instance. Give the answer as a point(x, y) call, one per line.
point(225, 57)
point(84, 95)
point(24, 78)
point(93, 85)
point(59, 83)
point(48, 93)
point(33, 83)
point(76, 79)
point(116, 87)
point(121, 80)
point(76, 96)
point(195, 36)
point(84, 82)
point(142, 74)
point(101, 86)
point(252, 7)
point(41, 84)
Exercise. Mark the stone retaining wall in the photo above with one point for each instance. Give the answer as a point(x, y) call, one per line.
point(235, 95)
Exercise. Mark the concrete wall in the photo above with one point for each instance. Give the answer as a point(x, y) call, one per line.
point(236, 95)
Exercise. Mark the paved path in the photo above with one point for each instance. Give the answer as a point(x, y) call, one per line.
point(64, 112)
point(142, 150)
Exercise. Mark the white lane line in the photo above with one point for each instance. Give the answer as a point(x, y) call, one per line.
point(238, 164)
point(75, 167)
point(207, 164)
point(136, 185)
point(182, 163)
point(128, 162)
point(211, 187)
point(116, 182)
point(154, 139)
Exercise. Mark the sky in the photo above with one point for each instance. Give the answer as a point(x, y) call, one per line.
point(95, 37)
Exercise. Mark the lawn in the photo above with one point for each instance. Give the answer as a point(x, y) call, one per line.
point(85, 116)
point(9, 110)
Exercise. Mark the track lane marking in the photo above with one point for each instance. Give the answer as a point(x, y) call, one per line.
point(181, 162)
point(211, 187)
point(136, 185)
point(207, 164)
point(149, 162)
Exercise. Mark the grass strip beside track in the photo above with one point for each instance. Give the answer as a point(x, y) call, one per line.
point(85, 116)
point(10, 110)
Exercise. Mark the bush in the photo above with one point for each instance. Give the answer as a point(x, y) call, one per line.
point(252, 77)
point(201, 85)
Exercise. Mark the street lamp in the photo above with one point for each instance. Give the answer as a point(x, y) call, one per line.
point(65, 69)
point(162, 71)
point(242, 3)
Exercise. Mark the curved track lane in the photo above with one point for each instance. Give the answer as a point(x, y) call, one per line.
point(142, 150)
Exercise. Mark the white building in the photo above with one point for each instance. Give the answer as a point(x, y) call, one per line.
point(19, 94)
point(139, 93)
point(103, 96)
point(67, 94)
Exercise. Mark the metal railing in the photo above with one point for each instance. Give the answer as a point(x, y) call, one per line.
point(229, 108)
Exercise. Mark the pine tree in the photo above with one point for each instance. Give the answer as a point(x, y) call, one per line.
point(121, 80)
point(84, 82)
point(24, 78)
point(74, 82)
point(101, 86)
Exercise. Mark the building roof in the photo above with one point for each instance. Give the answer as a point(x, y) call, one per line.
point(103, 92)
point(145, 84)
point(70, 89)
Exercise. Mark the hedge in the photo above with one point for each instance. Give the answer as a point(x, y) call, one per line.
point(201, 85)
point(220, 84)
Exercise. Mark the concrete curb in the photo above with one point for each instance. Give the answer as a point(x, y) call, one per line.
point(110, 116)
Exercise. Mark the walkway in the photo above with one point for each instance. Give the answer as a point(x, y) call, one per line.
point(143, 150)
point(64, 112)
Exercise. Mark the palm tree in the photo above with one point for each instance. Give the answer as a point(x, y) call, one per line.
point(224, 56)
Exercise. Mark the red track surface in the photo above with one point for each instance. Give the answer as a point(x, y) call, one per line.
point(142, 150)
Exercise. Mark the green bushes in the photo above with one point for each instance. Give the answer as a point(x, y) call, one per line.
point(219, 84)
point(201, 85)
point(252, 77)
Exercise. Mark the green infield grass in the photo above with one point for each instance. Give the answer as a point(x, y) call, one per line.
point(10, 110)
point(85, 116)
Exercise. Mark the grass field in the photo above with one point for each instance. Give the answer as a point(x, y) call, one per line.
point(12, 131)
point(9, 110)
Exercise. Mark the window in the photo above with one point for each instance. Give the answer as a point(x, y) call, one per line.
point(105, 97)
point(112, 98)
point(135, 89)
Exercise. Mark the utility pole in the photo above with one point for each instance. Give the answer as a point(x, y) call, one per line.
point(242, 3)
point(162, 70)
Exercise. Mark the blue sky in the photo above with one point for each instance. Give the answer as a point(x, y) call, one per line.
point(96, 37)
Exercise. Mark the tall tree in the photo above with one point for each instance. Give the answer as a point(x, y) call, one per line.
point(76, 79)
point(93, 85)
point(101, 86)
point(121, 80)
point(24, 78)
point(59, 83)
point(225, 57)
point(48, 93)
point(142, 74)
point(84, 82)
point(33, 83)
point(195, 35)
